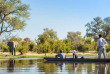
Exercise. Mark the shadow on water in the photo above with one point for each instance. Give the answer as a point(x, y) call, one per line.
point(23, 66)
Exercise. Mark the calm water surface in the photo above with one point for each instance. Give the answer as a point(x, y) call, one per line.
point(39, 66)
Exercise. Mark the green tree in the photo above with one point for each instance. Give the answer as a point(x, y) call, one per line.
point(52, 44)
point(98, 26)
point(46, 41)
point(76, 39)
point(32, 46)
point(90, 44)
point(58, 46)
point(68, 45)
point(47, 34)
point(13, 14)
point(3, 47)
point(23, 47)
point(28, 40)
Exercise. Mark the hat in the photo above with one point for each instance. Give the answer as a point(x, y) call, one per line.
point(74, 51)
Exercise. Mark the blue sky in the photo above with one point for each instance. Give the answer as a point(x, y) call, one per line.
point(62, 16)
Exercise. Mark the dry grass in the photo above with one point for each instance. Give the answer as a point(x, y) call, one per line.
point(33, 54)
point(50, 54)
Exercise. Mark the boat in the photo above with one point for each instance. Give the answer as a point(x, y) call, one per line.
point(77, 60)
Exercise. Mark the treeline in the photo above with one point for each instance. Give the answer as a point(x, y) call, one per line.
point(48, 42)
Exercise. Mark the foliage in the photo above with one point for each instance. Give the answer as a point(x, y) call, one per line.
point(12, 15)
point(107, 47)
point(82, 48)
point(47, 34)
point(48, 44)
point(76, 39)
point(98, 26)
point(31, 46)
point(27, 40)
point(89, 45)
point(3, 47)
point(23, 47)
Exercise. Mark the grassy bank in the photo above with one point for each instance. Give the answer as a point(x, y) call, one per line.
point(7, 55)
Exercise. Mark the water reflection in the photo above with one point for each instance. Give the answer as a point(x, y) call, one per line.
point(75, 66)
point(61, 65)
point(11, 66)
point(39, 66)
point(103, 68)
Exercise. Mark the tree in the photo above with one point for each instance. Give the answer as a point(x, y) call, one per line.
point(27, 40)
point(13, 14)
point(32, 46)
point(47, 34)
point(98, 26)
point(76, 39)
point(90, 44)
point(68, 44)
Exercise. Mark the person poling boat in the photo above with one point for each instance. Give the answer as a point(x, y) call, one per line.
point(100, 44)
point(74, 54)
point(60, 55)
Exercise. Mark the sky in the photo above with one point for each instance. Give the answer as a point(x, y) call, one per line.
point(62, 16)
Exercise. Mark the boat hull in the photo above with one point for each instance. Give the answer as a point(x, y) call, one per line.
point(76, 60)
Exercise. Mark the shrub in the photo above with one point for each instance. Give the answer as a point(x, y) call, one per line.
point(107, 47)
point(3, 47)
point(82, 48)
point(31, 46)
point(23, 47)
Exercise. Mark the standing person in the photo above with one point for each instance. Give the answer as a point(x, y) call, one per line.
point(74, 54)
point(60, 55)
point(100, 44)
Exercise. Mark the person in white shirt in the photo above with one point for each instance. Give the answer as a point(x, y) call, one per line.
point(100, 44)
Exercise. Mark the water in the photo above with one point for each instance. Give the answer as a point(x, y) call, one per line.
point(39, 66)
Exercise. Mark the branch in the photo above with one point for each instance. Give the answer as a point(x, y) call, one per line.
point(11, 12)
point(2, 19)
point(7, 27)
point(8, 31)
point(2, 27)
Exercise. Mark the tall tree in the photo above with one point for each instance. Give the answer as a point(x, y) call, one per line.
point(47, 34)
point(98, 26)
point(13, 14)
point(76, 39)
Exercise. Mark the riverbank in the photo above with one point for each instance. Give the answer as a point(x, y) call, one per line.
point(7, 55)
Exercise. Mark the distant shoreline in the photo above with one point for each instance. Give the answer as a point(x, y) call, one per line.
point(7, 55)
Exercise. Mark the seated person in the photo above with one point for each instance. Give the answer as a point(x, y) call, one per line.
point(74, 54)
point(60, 55)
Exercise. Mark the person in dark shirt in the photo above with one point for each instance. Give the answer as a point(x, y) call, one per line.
point(74, 54)
point(60, 55)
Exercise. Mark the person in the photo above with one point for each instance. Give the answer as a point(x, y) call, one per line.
point(100, 44)
point(60, 55)
point(74, 54)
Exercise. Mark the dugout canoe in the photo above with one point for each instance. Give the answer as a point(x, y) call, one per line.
point(77, 60)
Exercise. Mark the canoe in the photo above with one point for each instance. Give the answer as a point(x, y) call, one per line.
point(77, 60)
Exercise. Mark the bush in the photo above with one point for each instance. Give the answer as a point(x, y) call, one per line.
point(23, 47)
point(82, 48)
point(3, 47)
point(107, 47)
point(31, 46)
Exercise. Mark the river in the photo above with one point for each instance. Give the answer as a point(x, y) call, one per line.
point(39, 66)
